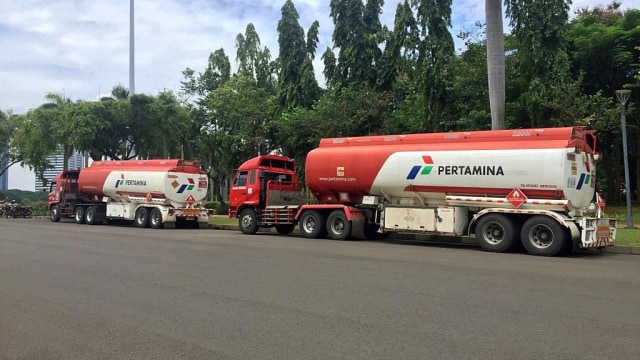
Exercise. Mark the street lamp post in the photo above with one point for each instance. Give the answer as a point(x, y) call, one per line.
point(623, 97)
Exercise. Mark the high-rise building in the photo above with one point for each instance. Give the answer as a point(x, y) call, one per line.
point(56, 161)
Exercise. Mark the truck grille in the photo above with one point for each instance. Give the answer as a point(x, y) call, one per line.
point(279, 215)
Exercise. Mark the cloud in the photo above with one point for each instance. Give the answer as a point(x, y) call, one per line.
point(80, 48)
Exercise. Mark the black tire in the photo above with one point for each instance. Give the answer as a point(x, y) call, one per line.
point(155, 219)
point(543, 236)
point(27, 214)
point(496, 233)
point(54, 213)
point(142, 217)
point(90, 216)
point(248, 221)
point(285, 229)
point(338, 227)
point(313, 224)
point(78, 215)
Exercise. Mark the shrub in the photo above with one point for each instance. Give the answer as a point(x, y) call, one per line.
point(220, 207)
point(38, 208)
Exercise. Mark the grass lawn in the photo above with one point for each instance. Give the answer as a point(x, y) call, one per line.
point(625, 236)
point(222, 220)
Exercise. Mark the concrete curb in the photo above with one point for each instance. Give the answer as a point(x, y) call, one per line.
point(616, 249)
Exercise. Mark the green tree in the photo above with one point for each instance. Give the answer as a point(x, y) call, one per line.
point(356, 35)
point(239, 128)
point(603, 47)
point(8, 127)
point(297, 84)
point(399, 53)
point(35, 138)
point(436, 53)
point(253, 62)
point(539, 27)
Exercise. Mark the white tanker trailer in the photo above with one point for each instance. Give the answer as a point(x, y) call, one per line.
point(533, 187)
point(152, 193)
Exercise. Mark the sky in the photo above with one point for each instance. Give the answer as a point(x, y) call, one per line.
point(80, 48)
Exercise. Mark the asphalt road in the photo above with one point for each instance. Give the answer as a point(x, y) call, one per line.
point(72, 291)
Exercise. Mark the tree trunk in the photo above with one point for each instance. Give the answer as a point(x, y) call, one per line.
point(495, 62)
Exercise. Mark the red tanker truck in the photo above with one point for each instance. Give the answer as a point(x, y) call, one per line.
point(151, 193)
point(533, 187)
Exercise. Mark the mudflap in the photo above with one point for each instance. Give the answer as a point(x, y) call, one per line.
point(358, 222)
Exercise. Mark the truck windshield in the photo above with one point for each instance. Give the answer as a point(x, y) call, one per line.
point(241, 179)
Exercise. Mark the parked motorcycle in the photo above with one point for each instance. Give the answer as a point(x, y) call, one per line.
point(16, 211)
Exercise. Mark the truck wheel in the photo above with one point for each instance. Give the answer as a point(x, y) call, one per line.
point(248, 222)
point(90, 215)
point(313, 224)
point(338, 227)
point(496, 233)
point(285, 229)
point(54, 213)
point(78, 213)
point(155, 219)
point(543, 236)
point(142, 217)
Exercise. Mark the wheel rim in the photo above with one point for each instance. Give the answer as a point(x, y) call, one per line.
point(493, 233)
point(541, 236)
point(309, 224)
point(54, 213)
point(247, 221)
point(141, 218)
point(155, 219)
point(337, 226)
point(89, 215)
point(78, 216)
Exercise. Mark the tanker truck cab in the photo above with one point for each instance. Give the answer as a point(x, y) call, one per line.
point(265, 194)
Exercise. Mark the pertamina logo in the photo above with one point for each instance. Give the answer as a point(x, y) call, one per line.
point(421, 169)
point(585, 178)
point(122, 181)
point(455, 170)
point(182, 187)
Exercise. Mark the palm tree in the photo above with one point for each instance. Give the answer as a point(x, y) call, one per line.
point(495, 62)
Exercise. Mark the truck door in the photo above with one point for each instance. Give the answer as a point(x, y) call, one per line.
point(238, 193)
